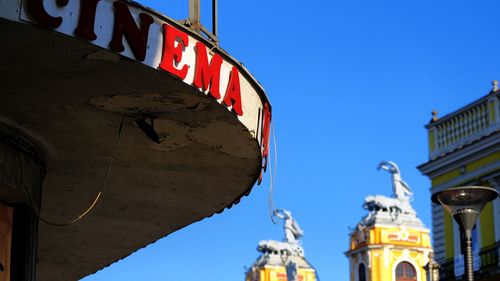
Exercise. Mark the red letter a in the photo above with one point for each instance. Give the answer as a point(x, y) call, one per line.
point(233, 92)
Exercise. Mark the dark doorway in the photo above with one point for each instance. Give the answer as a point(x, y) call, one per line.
point(362, 272)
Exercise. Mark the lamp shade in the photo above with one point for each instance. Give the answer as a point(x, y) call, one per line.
point(465, 203)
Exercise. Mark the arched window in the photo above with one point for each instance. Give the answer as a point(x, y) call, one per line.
point(405, 271)
point(361, 272)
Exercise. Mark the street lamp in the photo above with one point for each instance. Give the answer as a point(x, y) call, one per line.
point(465, 203)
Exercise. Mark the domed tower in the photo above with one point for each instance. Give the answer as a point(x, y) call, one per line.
point(282, 261)
point(390, 243)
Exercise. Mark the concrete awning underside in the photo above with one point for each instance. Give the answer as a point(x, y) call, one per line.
point(68, 97)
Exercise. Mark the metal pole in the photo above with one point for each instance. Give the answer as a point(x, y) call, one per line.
point(469, 271)
point(214, 18)
point(194, 14)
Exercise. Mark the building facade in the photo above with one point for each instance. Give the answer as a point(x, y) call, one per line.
point(390, 243)
point(464, 149)
point(271, 266)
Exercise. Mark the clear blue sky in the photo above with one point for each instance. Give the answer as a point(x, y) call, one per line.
point(352, 82)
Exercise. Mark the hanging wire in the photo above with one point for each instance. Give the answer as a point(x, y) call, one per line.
point(272, 177)
point(98, 196)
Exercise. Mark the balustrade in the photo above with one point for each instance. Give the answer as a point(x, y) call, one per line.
point(465, 125)
point(489, 262)
point(447, 270)
point(489, 257)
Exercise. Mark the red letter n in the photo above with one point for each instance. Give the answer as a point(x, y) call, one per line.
point(125, 25)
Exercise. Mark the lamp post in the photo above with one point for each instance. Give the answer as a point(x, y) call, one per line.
point(465, 203)
point(432, 268)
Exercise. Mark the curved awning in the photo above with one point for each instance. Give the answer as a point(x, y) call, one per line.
point(67, 95)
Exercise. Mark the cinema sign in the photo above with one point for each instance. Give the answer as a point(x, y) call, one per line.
point(145, 36)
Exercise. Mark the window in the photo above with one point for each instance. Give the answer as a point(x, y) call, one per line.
point(405, 272)
point(361, 272)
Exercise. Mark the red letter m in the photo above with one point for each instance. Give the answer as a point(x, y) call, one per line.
point(206, 74)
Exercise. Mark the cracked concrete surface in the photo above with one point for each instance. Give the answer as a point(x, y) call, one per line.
point(69, 97)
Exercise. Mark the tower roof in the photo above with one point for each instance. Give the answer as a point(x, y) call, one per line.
point(284, 259)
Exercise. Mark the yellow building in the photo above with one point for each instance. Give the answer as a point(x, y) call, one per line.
point(282, 261)
point(464, 149)
point(273, 268)
point(390, 243)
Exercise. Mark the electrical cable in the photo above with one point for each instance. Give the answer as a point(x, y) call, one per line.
point(98, 196)
point(272, 176)
point(272, 182)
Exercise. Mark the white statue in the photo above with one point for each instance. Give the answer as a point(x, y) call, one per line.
point(400, 188)
point(292, 229)
point(290, 245)
point(379, 202)
point(275, 246)
point(402, 194)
